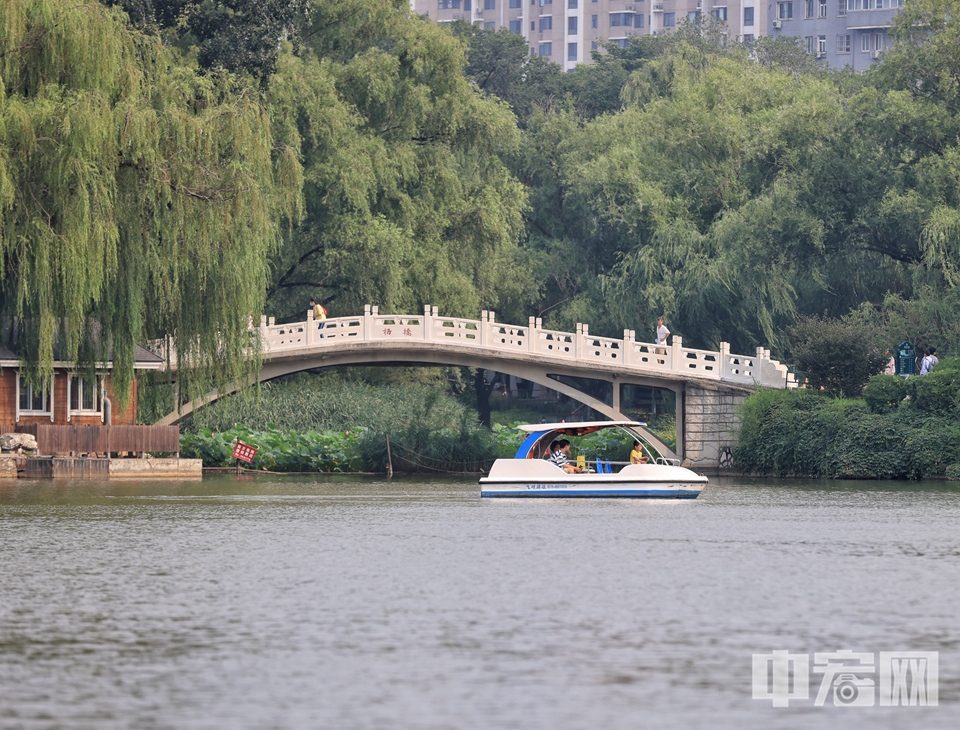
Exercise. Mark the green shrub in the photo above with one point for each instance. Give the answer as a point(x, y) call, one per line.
point(937, 393)
point(883, 393)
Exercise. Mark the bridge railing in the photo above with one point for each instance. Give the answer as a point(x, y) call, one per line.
point(575, 347)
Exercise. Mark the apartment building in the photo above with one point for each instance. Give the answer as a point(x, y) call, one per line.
point(840, 32)
point(566, 31)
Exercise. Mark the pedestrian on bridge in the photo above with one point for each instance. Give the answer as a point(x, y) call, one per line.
point(319, 314)
point(662, 334)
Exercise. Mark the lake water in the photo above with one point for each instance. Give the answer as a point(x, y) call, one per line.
point(362, 603)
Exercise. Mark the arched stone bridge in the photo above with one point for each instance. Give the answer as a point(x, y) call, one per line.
point(708, 385)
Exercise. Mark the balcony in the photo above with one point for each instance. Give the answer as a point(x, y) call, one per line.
point(867, 19)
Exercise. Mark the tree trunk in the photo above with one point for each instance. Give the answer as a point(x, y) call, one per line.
point(483, 397)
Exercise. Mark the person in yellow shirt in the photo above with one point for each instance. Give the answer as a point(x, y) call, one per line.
point(636, 456)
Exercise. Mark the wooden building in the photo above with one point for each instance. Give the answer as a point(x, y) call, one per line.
point(71, 398)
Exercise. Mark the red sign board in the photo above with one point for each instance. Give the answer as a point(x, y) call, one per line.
point(243, 452)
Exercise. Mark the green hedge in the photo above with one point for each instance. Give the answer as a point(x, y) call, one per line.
point(806, 433)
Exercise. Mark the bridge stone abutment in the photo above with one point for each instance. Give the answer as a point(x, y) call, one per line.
point(710, 424)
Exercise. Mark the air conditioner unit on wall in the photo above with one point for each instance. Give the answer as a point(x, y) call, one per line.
point(820, 54)
point(777, 24)
point(874, 54)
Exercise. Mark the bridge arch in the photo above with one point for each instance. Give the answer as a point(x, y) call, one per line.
point(424, 358)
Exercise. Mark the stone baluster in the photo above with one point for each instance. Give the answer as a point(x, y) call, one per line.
point(724, 360)
point(311, 334)
point(676, 354)
point(264, 342)
point(367, 328)
point(578, 341)
point(484, 329)
point(427, 322)
point(627, 355)
point(531, 339)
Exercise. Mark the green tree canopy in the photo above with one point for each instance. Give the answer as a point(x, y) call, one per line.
point(137, 198)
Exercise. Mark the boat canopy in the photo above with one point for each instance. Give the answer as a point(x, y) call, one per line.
point(538, 431)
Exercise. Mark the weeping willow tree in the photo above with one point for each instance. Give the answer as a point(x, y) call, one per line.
point(138, 198)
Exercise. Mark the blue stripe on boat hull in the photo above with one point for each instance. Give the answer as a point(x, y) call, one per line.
point(631, 493)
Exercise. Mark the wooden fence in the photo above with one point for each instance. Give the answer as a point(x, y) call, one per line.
point(100, 439)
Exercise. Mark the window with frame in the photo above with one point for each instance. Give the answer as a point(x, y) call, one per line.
point(785, 11)
point(34, 400)
point(748, 38)
point(694, 16)
point(516, 26)
point(545, 2)
point(594, 45)
point(572, 25)
point(594, 21)
point(489, 4)
point(669, 20)
point(490, 25)
point(638, 20)
point(448, 4)
point(468, 6)
point(514, 3)
point(841, 8)
point(843, 43)
point(533, 25)
point(621, 19)
point(720, 13)
point(808, 40)
point(808, 9)
point(573, 4)
point(822, 12)
point(748, 17)
point(864, 43)
point(878, 41)
point(546, 49)
point(622, 42)
point(571, 51)
point(85, 394)
point(546, 24)
point(821, 45)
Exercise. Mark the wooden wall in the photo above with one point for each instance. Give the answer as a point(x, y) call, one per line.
point(8, 404)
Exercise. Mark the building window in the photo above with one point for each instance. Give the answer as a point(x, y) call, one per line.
point(514, 3)
point(572, 26)
point(545, 2)
point(572, 4)
point(878, 41)
point(669, 20)
point(546, 24)
point(843, 44)
point(533, 25)
point(638, 20)
point(467, 5)
point(622, 42)
point(546, 49)
point(34, 400)
point(571, 51)
point(808, 40)
point(748, 38)
point(516, 27)
point(808, 9)
point(748, 17)
point(621, 19)
point(694, 16)
point(720, 13)
point(85, 394)
point(490, 25)
point(594, 20)
point(785, 11)
point(821, 46)
point(865, 43)
point(842, 8)
point(823, 9)
point(448, 4)
point(489, 4)
point(594, 45)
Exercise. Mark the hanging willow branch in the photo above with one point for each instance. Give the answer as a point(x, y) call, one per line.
point(137, 198)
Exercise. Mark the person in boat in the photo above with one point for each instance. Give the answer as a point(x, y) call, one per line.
point(561, 457)
point(636, 456)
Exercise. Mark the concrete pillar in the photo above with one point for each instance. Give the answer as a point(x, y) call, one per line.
point(724, 359)
point(676, 354)
point(531, 338)
point(428, 322)
point(367, 322)
point(310, 330)
point(711, 425)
